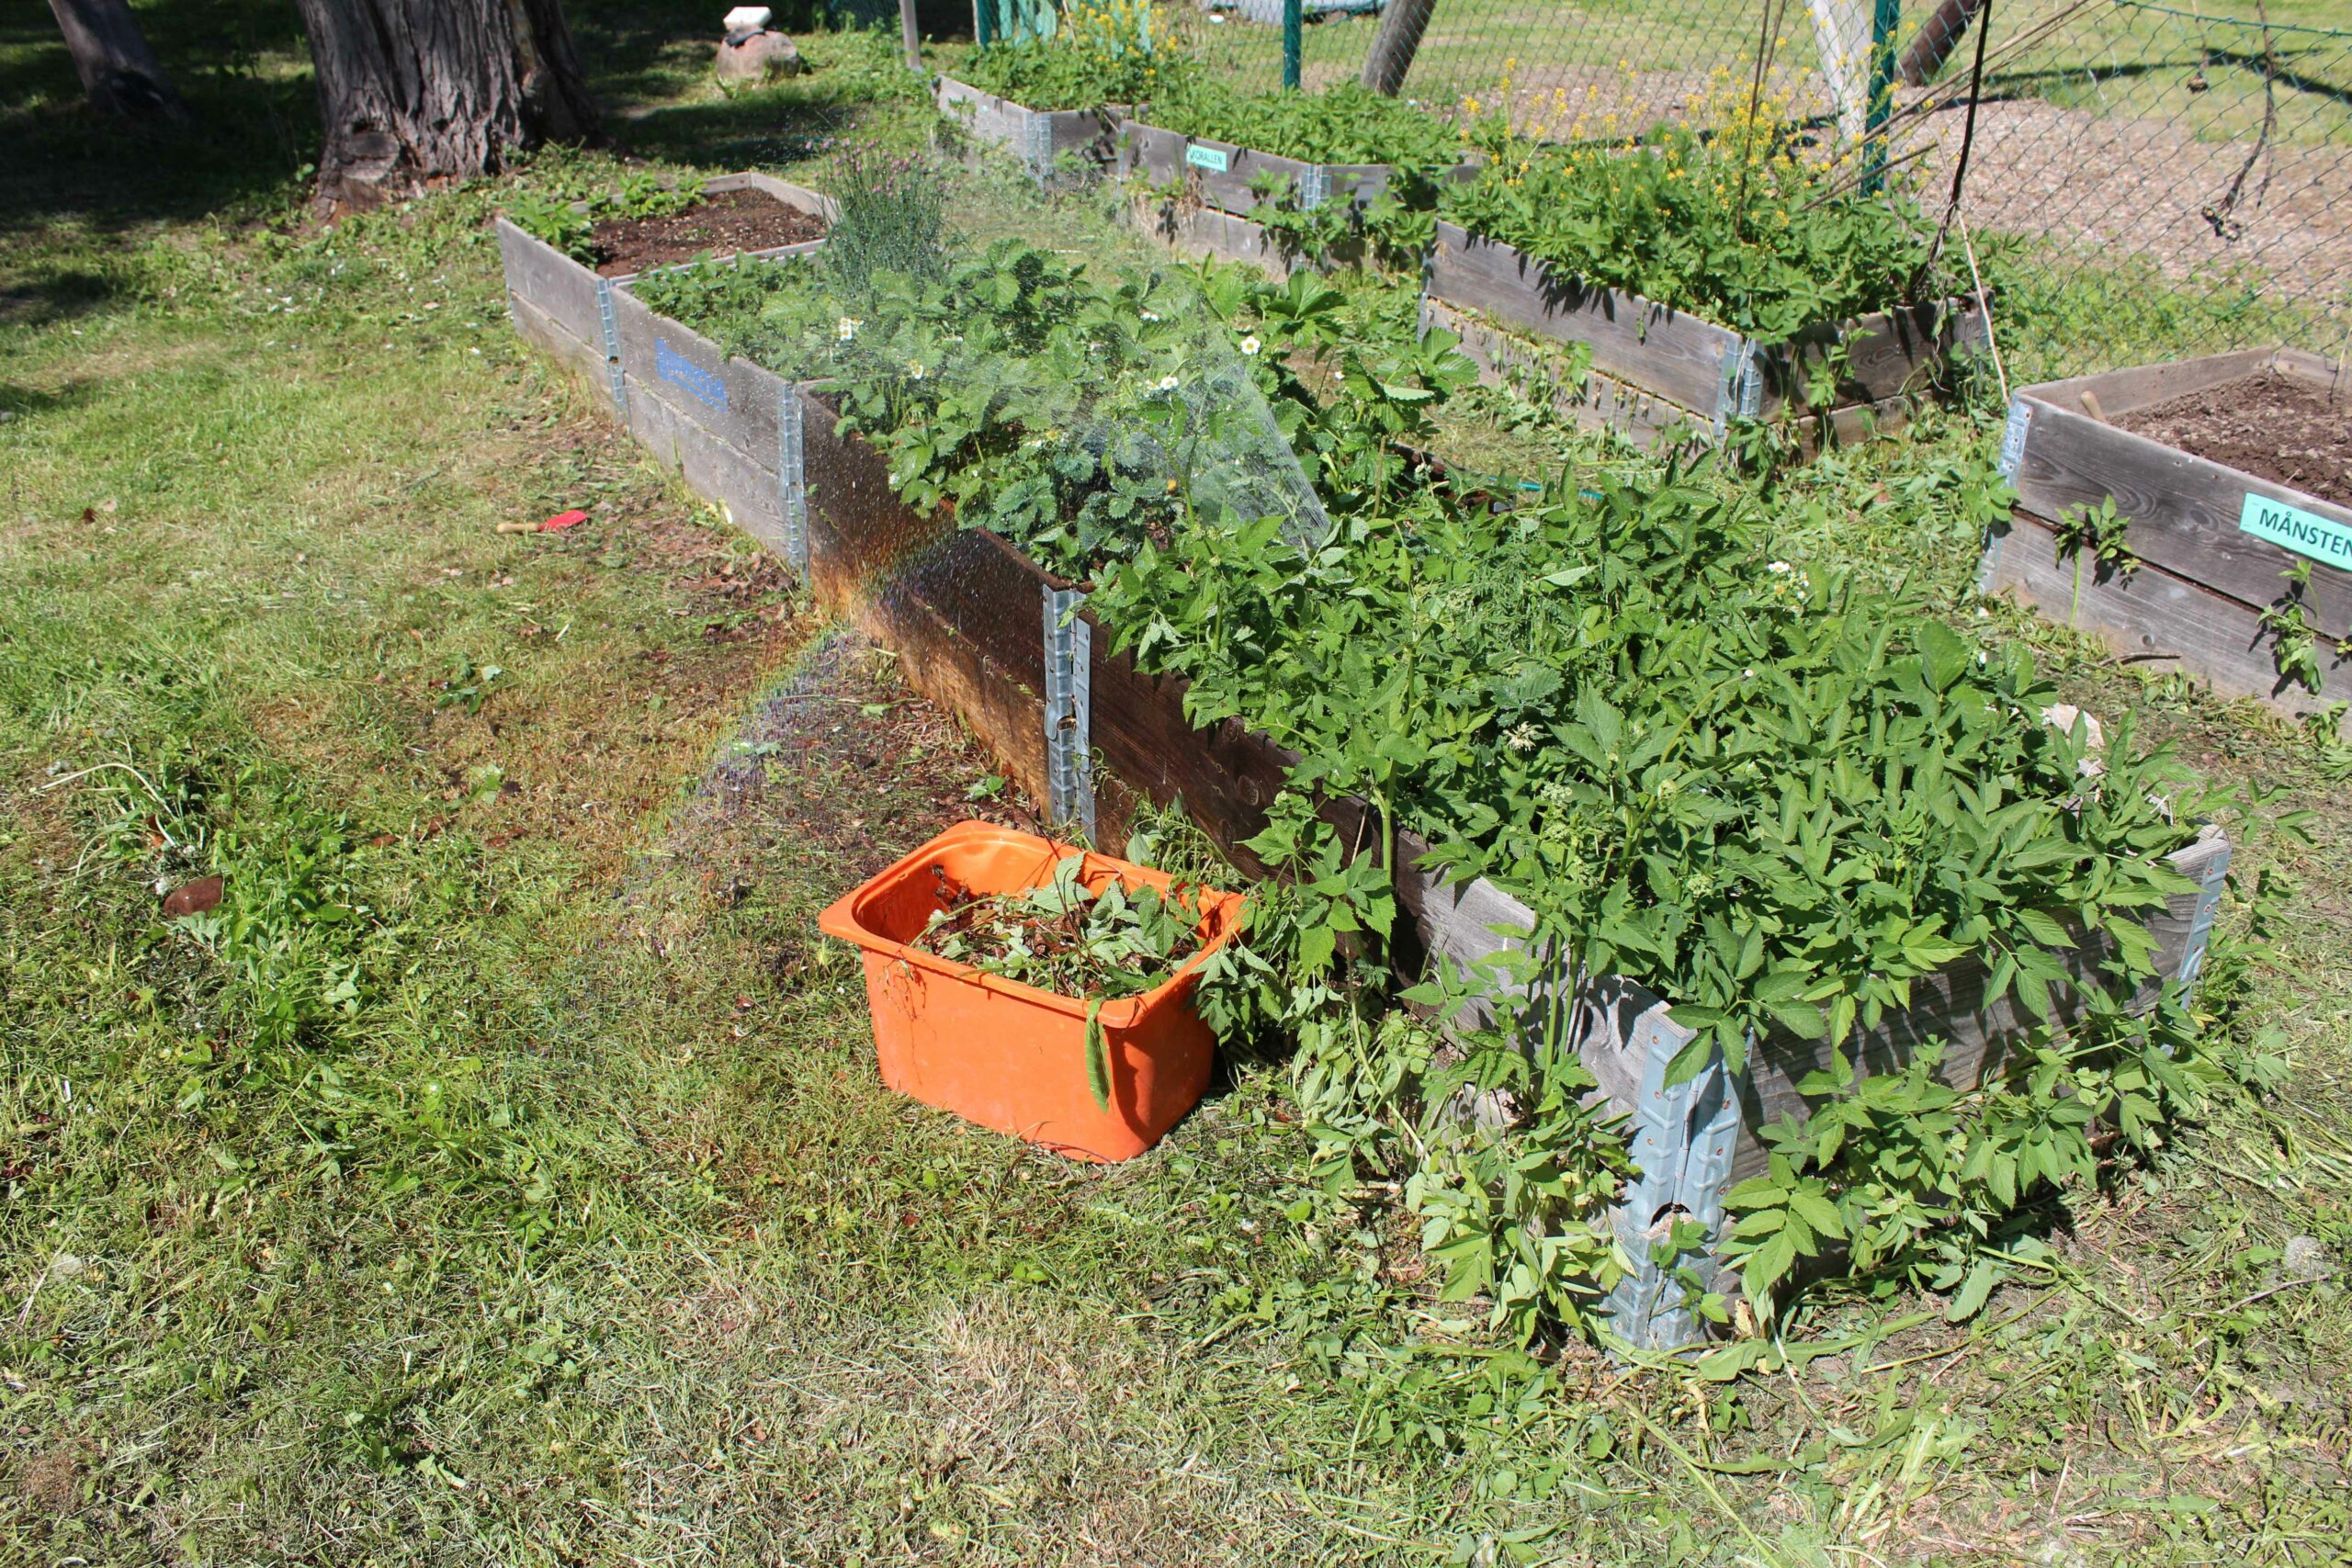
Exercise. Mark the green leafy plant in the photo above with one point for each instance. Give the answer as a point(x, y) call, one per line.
point(2295, 638)
point(1097, 55)
point(1726, 220)
point(1063, 936)
point(566, 219)
point(1778, 796)
point(551, 220)
point(2102, 534)
point(643, 195)
point(1341, 124)
point(890, 215)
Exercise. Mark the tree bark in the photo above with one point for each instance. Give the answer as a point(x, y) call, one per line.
point(1936, 38)
point(118, 71)
point(418, 93)
point(1393, 47)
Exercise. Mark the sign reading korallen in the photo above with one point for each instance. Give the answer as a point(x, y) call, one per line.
point(2305, 533)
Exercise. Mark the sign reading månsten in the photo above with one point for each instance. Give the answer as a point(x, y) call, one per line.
point(2305, 533)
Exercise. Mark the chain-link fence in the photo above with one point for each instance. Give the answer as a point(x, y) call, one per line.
point(2189, 159)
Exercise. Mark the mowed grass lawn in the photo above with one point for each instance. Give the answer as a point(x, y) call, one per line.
point(499, 1172)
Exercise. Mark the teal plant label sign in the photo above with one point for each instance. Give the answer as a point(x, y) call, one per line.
point(1210, 158)
point(2305, 533)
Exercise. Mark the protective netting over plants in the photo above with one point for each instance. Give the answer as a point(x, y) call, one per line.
point(1071, 412)
point(2166, 164)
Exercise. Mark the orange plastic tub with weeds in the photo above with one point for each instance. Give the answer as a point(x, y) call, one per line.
point(1008, 1056)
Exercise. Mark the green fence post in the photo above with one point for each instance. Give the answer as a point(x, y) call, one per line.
point(1294, 40)
point(1886, 18)
point(983, 22)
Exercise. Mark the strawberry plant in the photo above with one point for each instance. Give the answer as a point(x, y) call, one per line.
point(1342, 124)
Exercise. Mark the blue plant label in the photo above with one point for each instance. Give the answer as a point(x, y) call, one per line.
point(1210, 158)
point(671, 366)
point(2305, 533)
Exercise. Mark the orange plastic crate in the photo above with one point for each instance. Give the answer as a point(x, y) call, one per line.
point(1008, 1056)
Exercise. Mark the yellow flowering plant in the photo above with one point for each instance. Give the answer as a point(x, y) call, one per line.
point(1726, 214)
point(1099, 53)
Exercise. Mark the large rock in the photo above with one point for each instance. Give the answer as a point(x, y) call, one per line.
point(757, 55)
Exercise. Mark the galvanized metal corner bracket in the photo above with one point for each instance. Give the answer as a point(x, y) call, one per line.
point(1681, 1140)
point(2013, 436)
point(613, 372)
point(791, 478)
point(1743, 384)
point(1037, 144)
point(1069, 753)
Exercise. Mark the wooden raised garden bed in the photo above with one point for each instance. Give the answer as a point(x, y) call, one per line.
point(1016, 654)
point(2206, 534)
point(1219, 180)
point(1039, 137)
point(1655, 370)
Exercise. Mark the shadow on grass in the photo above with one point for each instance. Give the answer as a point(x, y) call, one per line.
point(242, 67)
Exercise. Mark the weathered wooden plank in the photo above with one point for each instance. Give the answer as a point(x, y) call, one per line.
point(1890, 355)
point(2141, 386)
point(1225, 775)
point(1226, 175)
point(716, 471)
point(583, 360)
point(1201, 231)
point(1673, 353)
point(784, 191)
point(861, 541)
point(2153, 612)
point(1002, 122)
point(1540, 373)
point(558, 287)
point(2184, 509)
point(733, 400)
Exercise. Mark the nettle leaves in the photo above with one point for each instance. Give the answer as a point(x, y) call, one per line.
point(1782, 801)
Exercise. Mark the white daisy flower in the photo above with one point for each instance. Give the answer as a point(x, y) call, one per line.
point(1249, 344)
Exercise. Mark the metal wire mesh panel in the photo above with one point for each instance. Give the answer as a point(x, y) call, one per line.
point(2190, 160)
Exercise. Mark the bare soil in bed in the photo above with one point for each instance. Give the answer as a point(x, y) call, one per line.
point(725, 223)
point(2274, 426)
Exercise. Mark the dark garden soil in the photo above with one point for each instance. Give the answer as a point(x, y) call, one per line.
point(723, 224)
point(2275, 427)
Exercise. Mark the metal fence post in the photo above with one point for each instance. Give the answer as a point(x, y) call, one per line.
point(1294, 40)
point(1886, 16)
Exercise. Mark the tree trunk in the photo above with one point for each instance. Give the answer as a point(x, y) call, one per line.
point(1938, 37)
point(118, 70)
point(1393, 47)
point(417, 93)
